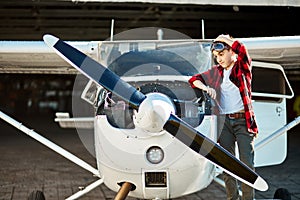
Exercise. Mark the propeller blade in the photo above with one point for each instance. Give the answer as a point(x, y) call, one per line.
point(95, 71)
point(213, 152)
point(174, 125)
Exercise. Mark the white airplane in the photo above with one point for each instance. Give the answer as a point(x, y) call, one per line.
point(154, 136)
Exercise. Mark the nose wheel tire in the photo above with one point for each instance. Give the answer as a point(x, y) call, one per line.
point(36, 195)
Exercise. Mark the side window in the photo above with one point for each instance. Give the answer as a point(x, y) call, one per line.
point(269, 82)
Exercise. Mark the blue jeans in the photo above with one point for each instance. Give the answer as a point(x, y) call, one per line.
point(235, 130)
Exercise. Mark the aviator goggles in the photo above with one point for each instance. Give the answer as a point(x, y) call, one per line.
point(218, 46)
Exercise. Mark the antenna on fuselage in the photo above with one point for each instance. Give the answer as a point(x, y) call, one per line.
point(112, 30)
point(160, 34)
point(202, 28)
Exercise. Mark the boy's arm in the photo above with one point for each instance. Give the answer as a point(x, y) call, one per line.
point(237, 47)
point(198, 84)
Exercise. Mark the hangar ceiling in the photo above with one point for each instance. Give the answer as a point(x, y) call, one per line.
point(30, 19)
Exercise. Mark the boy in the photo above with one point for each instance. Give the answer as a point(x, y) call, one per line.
point(229, 83)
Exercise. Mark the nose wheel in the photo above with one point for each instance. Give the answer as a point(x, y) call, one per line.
point(36, 195)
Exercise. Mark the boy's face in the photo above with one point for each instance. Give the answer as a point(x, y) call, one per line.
point(225, 58)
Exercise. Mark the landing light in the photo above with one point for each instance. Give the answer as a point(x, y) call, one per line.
point(155, 155)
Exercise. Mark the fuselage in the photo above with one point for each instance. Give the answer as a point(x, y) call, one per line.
point(124, 151)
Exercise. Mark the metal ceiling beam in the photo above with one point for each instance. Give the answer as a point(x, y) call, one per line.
point(210, 2)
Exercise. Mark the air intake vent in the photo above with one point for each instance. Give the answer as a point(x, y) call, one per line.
point(155, 179)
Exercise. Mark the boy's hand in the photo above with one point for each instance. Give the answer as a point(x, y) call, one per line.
point(225, 38)
point(212, 92)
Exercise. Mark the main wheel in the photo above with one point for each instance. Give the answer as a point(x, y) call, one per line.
point(36, 195)
point(282, 193)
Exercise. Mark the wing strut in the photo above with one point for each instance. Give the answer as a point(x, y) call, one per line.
point(86, 189)
point(49, 144)
point(278, 133)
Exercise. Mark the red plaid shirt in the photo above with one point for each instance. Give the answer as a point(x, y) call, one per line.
point(240, 75)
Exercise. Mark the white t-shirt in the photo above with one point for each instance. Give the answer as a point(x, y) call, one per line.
point(231, 100)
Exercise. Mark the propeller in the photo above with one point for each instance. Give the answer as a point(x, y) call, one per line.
point(172, 124)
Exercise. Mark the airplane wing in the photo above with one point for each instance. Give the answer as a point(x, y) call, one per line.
point(34, 57)
point(283, 50)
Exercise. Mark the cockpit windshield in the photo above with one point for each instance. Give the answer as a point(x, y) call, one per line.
point(156, 58)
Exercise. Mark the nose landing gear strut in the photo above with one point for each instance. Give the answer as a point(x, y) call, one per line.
point(125, 188)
